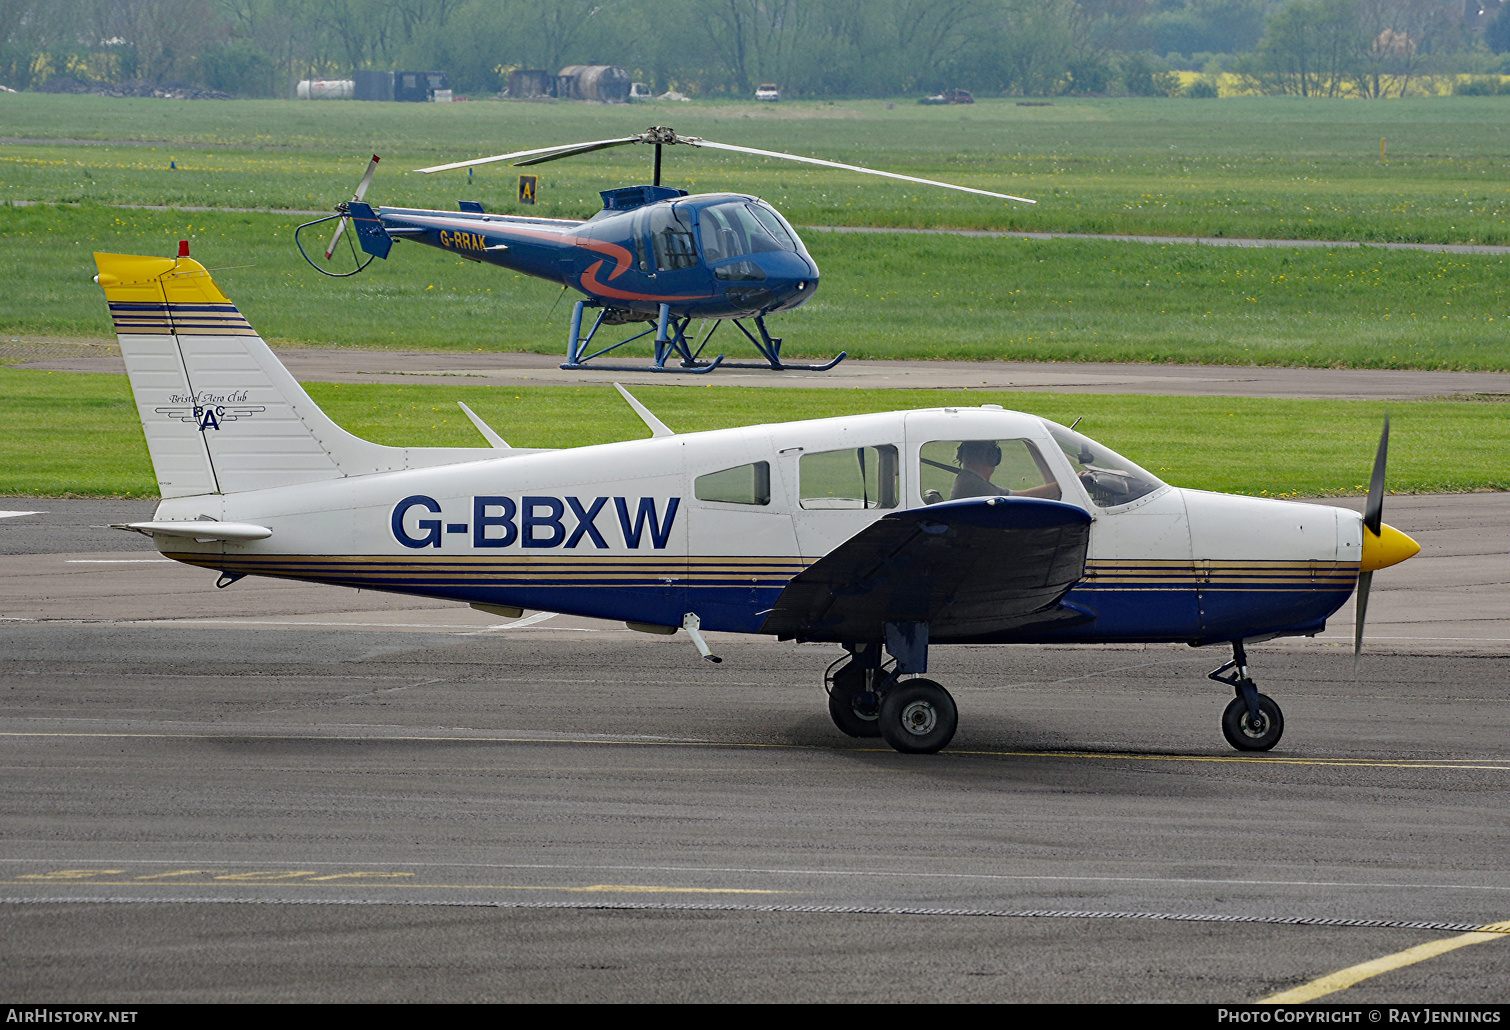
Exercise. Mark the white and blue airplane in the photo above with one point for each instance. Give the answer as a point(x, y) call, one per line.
point(886, 534)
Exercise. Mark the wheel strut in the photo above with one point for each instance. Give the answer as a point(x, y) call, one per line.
point(1252, 721)
point(1239, 680)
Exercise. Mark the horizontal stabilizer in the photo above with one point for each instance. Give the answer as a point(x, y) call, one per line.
point(965, 567)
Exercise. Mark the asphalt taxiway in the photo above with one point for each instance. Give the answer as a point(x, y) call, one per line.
point(290, 792)
point(491, 368)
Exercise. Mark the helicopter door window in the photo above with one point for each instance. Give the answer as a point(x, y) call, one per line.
point(852, 478)
point(951, 470)
point(639, 229)
point(671, 237)
point(747, 484)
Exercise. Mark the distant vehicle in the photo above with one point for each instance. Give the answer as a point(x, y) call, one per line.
point(325, 89)
point(950, 96)
point(767, 91)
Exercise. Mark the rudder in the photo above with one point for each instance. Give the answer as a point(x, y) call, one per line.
point(220, 412)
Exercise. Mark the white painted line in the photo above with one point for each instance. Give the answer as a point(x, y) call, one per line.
point(355, 625)
point(116, 561)
point(521, 623)
point(14, 514)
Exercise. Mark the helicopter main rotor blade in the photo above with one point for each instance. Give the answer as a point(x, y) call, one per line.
point(853, 168)
point(585, 148)
point(561, 151)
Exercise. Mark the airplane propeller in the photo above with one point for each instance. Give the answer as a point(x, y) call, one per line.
point(660, 136)
point(1373, 519)
point(1383, 545)
point(357, 196)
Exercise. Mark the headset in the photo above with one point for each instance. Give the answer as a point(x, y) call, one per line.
point(979, 452)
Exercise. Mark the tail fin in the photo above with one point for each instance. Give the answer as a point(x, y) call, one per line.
point(220, 411)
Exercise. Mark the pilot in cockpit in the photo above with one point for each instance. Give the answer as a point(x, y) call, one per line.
point(978, 461)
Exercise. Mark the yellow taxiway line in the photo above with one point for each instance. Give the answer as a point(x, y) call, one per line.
point(1345, 978)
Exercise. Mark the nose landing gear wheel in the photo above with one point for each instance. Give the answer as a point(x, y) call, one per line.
point(852, 707)
point(918, 717)
point(1246, 733)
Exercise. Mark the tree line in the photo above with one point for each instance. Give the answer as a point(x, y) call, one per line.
point(727, 47)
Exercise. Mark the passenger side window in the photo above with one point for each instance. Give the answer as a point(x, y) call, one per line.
point(671, 235)
point(956, 469)
point(746, 484)
point(856, 477)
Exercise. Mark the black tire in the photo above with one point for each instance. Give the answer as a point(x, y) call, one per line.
point(918, 717)
point(1246, 735)
point(851, 706)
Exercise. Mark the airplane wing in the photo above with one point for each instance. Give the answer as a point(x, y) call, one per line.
point(966, 568)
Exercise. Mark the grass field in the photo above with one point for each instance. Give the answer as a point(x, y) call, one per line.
point(1246, 166)
point(881, 296)
point(74, 434)
point(1273, 167)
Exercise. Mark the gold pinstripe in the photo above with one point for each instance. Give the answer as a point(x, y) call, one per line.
point(170, 319)
point(769, 571)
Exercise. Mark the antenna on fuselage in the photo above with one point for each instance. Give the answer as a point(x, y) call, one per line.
point(486, 430)
point(657, 427)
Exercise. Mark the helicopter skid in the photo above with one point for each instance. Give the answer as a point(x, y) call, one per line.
point(696, 370)
point(783, 366)
point(671, 342)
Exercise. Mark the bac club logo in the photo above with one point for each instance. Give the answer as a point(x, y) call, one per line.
point(208, 410)
point(537, 522)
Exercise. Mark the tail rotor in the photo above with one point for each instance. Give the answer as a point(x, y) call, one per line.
point(341, 219)
point(358, 195)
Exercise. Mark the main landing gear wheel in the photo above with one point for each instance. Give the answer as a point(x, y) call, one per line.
point(852, 707)
point(918, 717)
point(1246, 733)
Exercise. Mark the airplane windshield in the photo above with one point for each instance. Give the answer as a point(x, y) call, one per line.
point(734, 230)
point(1108, 477)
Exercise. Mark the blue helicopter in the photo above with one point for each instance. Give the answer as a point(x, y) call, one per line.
point(653, 254)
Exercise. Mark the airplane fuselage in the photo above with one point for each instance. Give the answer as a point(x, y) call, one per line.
point(645, 531)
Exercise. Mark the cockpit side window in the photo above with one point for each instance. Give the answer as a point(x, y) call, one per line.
point(1109, 478)
point(671, 238)
point(745, 484)
point(951, 470)
point(855, 477)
